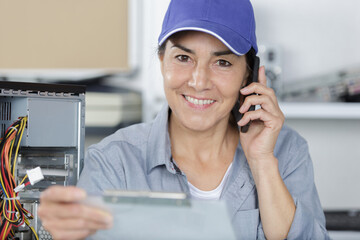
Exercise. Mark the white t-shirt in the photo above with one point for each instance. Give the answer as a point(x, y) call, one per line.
point(209, 195)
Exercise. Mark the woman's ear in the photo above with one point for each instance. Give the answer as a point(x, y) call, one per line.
point(161, 57)
point(161, 51)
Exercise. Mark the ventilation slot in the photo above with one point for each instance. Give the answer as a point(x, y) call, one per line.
point(2, 126)
point(5, 108)
point(5, 115)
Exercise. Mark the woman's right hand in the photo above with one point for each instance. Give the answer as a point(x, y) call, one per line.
point(65, 217)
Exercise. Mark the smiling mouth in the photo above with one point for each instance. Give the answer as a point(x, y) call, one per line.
point(198, 101)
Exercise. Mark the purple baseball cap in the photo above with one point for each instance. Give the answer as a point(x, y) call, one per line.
point(230, 21)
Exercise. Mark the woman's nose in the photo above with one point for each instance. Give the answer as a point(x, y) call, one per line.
point(200, 78)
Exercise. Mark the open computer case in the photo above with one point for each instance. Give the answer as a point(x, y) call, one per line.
point(41, 125)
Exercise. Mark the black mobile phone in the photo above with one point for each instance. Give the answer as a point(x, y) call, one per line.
point(236, 108)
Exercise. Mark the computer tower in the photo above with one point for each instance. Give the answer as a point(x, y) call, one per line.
point(53, 139)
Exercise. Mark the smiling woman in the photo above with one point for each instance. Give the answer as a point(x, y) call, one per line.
point(265, 175)
point(202, 78)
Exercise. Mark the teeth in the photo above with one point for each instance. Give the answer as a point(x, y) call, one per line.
point(197, 101)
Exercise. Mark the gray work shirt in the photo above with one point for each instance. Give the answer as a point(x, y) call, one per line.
point(139, 158)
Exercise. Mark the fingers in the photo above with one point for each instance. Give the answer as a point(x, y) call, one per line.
point(69, 227)
point(263, 100)
point(262, 76)
point(260, 89)
point(65, 217)
point(75, 224)
point(63, 194)
point(266, 97)
point(73, 210)
point(270, 121)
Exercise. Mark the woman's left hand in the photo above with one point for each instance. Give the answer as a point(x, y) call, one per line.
point(259, 141)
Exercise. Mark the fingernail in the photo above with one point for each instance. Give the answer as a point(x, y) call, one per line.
point(104, 216)
point(108, 219)
point(244, 90)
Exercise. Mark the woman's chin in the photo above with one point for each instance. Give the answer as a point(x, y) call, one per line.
point(198, 125)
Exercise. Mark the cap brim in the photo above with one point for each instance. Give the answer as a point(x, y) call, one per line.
point(235, 42)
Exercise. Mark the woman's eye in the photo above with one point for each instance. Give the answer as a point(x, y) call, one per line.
point(223, 63)
point(182, 58)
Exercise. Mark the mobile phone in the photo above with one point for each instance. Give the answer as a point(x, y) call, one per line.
point(236, 108)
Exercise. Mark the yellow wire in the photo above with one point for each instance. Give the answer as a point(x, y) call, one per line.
point(13, 129)
point(10, 152)
point(12, 142)
point(22, 181)
point(11, 174)
point(8, 219)
point(3, 185)
point(22, 127)
point(1, 179)
point(16, 127)
point(32, 228)
point(6, 226)
point(11, 205)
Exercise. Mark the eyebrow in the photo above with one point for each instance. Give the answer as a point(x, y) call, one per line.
point(183, 48)
point(217, 54)
point(227, 52)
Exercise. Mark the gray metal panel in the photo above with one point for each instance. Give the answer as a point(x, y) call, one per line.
point(18, 108)
point(52, 123)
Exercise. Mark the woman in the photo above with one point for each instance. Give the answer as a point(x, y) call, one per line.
point(265, 175)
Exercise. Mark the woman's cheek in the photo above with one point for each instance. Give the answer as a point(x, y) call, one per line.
point(227, 85)
point(174, 76)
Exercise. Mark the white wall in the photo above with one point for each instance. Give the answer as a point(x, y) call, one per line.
point(335, 150)
point(317, 36)
point(153, 96)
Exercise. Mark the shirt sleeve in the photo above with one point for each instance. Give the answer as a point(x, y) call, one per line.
point(101, 172)
point(309, 219)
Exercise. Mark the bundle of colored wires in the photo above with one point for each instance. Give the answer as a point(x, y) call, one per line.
point(12, 213)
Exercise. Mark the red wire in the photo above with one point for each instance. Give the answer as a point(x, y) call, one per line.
point(7, 148)
point(5, 234)
point(8, 230)
point(9, 128)
point(7, 183)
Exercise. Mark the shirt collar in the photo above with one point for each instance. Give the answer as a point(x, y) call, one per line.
point(159, 145)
